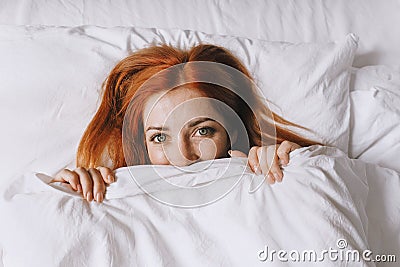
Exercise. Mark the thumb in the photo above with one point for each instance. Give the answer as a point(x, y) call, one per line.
point(237, 154)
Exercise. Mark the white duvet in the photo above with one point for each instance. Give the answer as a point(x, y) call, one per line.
point(325, 202)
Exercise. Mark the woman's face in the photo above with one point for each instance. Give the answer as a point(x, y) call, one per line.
point(182, 128)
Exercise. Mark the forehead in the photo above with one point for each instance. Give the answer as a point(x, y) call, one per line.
point(173, 98)
point(178, 107)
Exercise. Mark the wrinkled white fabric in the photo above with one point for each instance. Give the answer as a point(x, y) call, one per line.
point(324, 197)
point(375, 115)
point(375, 126)
point(275, 20)
point(380, 76)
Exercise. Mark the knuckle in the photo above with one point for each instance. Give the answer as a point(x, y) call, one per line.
point(104, 171)
point(80, 169)
point(253, 150)
point(102, 168)
point(281, 148)
point(64, 171)
point(281, 153)
point(285, 143)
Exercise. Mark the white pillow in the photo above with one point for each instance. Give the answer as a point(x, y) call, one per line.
point(51, 79)
point(375, 116)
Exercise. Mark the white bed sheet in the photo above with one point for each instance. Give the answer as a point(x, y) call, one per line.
point(375, 115)
point(324, 197)
point(376, 22)
point(375, 127)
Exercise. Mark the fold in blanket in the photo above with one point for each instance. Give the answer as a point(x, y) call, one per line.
point(197, 215)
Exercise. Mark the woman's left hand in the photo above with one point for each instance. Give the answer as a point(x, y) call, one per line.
point(260, 158)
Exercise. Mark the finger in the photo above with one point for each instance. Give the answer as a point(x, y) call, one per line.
point(270, 179)
point(253, 160)
point(275, 170)
point(107, 174)
point(86, 183)
point(68, 176)
point(237, 154)
point(99, 187)
point(265, 156)
point(284, 149)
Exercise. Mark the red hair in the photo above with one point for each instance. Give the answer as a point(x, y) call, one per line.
point(130, 84)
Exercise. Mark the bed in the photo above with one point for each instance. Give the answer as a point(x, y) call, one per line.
point(337, 62)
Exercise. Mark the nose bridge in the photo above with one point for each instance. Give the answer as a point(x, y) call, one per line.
point(188, 149)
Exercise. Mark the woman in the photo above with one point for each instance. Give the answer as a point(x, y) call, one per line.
point(164, 105)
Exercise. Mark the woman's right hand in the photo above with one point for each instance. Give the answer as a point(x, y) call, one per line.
point(91, 182)
point(267, 160)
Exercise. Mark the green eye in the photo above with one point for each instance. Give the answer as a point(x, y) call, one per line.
point(205, 131)
point(159, 138)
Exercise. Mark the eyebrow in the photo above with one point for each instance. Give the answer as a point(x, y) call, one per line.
point(200, 120)
point(156, 128)
point(191, 124)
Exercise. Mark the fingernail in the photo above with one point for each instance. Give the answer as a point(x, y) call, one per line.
point(89, 196)
point(79, 188)
point(230, 152)
point(271, 179)
point(277, 177)
point(99, 197)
